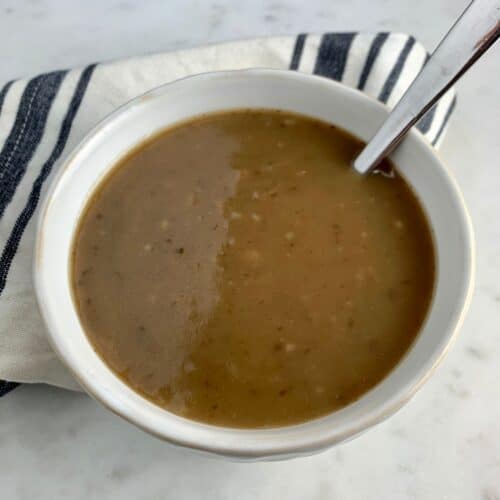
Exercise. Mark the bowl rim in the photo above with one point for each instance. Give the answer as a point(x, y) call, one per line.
point(287, 448)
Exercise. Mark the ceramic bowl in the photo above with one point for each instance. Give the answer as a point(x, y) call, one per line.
point(313, 96)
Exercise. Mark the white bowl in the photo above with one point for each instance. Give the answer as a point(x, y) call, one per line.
point(310, 95)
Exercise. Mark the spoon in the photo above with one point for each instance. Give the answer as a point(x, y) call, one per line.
point(475, 31)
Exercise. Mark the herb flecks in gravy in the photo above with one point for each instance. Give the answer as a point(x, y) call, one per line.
point(235, 270)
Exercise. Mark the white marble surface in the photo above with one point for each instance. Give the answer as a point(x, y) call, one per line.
point(445, 444)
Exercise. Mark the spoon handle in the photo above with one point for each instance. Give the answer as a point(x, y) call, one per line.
point(473, 33)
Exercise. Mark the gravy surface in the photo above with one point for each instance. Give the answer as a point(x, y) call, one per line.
point(235, 270)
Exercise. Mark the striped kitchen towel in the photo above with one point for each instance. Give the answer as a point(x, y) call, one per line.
point(43, 118)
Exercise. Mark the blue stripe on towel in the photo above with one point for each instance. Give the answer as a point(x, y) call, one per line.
point(395, 73)
point(24, 217)
point(26, 133)
point(332, 55)
point(377, 44)
point(297, 51)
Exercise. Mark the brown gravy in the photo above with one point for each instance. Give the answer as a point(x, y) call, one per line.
point(235, 270)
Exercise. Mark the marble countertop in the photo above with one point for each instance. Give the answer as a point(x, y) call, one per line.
point(445, 444)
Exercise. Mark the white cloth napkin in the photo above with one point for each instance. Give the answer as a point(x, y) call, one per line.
point(43, 118)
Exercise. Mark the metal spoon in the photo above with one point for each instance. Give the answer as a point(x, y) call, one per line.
point(475, 31)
